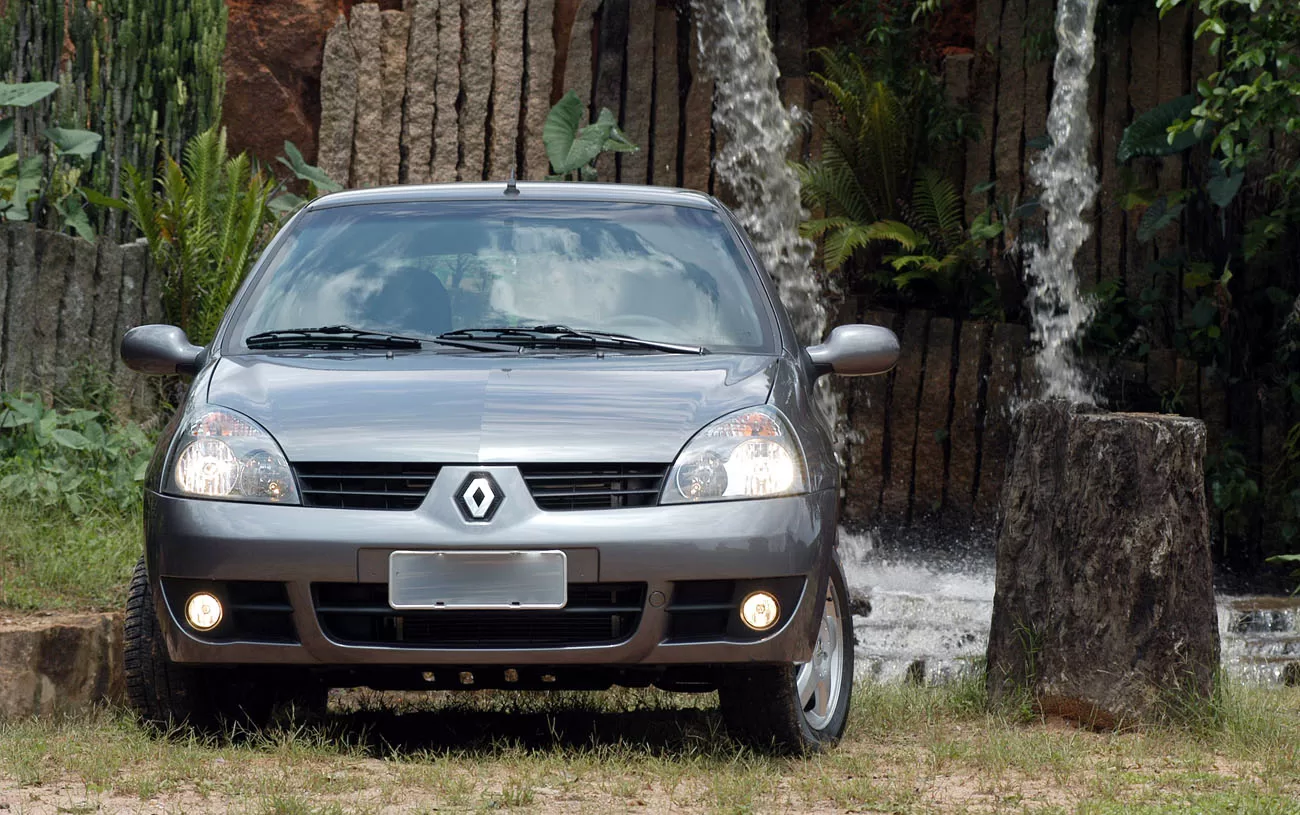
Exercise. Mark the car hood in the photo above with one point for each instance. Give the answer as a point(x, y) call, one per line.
point(452, 409)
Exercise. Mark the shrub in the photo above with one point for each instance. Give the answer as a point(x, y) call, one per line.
point(74, 460)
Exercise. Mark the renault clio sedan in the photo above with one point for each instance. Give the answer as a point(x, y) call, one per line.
point(480, 436)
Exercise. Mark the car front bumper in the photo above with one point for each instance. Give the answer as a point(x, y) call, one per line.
point(300, 547)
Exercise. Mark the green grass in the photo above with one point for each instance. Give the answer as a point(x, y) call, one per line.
point(51, 561)
point(909, 749)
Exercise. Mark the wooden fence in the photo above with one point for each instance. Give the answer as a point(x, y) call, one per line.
point(65, 303)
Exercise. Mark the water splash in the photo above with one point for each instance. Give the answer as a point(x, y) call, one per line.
point(930, 616)
point(1069, 183)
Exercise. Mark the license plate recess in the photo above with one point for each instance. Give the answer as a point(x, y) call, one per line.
point(475, 580)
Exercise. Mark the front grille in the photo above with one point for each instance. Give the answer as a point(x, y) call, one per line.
point(594, 486)
point(364, 485)
point(596, 614)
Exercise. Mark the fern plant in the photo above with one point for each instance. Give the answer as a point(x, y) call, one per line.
point(205, 218)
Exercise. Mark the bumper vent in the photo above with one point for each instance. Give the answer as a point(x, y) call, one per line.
point(364, 485)
point(597, 614)
point(594, 486)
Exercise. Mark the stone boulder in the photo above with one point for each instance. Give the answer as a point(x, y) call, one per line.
point(59, 664)
point(1104, 611)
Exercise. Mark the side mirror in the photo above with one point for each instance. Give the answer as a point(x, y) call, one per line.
point(161, 349)
point(855, 350)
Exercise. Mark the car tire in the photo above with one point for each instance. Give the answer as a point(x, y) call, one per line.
point(764, 706)
point(168, 694)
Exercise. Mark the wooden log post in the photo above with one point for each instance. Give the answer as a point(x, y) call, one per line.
point(1104, 610)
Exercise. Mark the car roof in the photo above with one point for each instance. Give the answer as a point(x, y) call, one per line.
point(527, 190)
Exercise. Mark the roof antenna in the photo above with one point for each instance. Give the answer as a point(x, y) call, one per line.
point(512, 188)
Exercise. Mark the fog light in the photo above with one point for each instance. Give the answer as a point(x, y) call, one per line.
point(760, 611)
point(203, 611)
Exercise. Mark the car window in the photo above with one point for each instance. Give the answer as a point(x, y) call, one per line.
point(660, 272)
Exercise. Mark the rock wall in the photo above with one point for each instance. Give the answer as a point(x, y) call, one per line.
point(479, 78)
point(64, 305)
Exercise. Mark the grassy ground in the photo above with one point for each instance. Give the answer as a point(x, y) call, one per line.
point(909, 750)
point(49, 560)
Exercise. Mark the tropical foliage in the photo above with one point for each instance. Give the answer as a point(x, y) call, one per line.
point(77, 460)
point(573, 149)
point(42, 185)
point(205, 218)
point(876, 194)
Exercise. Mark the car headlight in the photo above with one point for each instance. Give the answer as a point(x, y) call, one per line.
point(222, 454)
point(751, 453)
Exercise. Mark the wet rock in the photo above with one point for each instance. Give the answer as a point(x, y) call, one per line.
point(1104, 611)
point(60, 664)
point(859, 602)
point(338, 103)
point(421, 72)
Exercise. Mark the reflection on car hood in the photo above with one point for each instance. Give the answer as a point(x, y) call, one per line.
point(452, 409)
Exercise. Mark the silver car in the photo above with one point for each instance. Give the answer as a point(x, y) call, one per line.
point(475, 436)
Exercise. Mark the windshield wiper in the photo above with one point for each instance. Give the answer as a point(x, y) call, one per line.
point(563, 336)
point(345, 336)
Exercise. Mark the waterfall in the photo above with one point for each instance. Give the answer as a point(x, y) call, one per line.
point(736, 50)
point(1069, 183)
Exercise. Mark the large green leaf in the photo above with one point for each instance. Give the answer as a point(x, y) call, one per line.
point(570, 148)
point(293, 159)
point(1223, 186)
point(1148, 135)
point(24, 94)
point(6, 132)
point(74, 142)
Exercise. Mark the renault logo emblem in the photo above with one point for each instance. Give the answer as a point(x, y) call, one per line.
point(478, 497)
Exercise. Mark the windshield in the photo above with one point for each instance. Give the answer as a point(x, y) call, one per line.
point(653, 271)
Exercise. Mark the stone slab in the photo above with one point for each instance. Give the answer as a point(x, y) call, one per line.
point(904, 403)
point(338, 103)
point(538, 79)
point(667, 99)
point(1010, 135)
point(54, 259)
point(395, 33)
point(507, 88)
point(20, 330)
point(579, 54)
point(421, 75)
point(108, 288)
point(983, 105)
point(963, 454)
point(930, 468)
point(1000, 399)
point(446, 132)
point(868, 426)
point(475, 86)
point(366, 24)
point(607, 85)
point(76, 311)
point(59, 665)
point(697, 153)
point(633, 167)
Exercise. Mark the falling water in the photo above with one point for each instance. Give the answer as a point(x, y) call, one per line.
point(1069, 184)
point(736, 51)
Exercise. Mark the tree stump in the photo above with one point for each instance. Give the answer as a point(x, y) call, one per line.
point(1104, 611)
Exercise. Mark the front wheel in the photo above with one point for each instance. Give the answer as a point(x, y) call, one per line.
point(801, 707)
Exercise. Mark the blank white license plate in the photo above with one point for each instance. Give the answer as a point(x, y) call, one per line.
point(477, 580)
